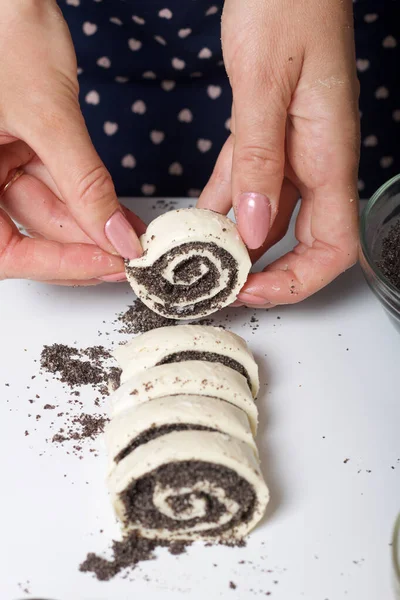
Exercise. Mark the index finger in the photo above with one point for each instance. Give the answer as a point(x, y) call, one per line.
point(43, 260)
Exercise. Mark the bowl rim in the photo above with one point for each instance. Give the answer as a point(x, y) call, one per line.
point(364, 248)
point(396, 548)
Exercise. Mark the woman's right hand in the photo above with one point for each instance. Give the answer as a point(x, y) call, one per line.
point(65, 198)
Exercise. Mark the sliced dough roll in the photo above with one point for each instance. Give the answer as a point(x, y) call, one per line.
point(190, 485)
point(141, 424)
point(188, 342)
point(194, 263)
point(194, 377)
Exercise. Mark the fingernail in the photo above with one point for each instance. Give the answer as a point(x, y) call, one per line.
point(121, 235)
point(250, 299)
point(236, 303)
point(254, 219)
point(115, 277)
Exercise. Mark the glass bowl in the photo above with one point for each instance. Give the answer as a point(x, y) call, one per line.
point(396, 557)
point(380, 214)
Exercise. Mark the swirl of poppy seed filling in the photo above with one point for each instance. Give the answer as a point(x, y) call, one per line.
point(194, 277)
point(155, 432)
point(212, 357)
point(139, 507)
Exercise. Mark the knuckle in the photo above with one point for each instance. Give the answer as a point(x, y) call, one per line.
point(7, 238)
point(220, 178)
point(94, 187)
point(257, 157)
point(9, 247)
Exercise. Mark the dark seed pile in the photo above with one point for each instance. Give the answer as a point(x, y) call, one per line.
point(139, 319)
point(82, 427)
point(78, 367)
point(134, 549)
point(127, 554)
point(390, 258)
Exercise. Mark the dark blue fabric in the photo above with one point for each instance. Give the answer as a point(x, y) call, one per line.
point(133, 115)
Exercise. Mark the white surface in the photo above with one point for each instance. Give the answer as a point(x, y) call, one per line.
point(329, 523)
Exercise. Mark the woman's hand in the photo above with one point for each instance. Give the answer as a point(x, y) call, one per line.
point(295, 133)
point(64, 198)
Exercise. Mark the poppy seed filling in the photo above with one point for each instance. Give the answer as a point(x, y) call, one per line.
point(193, 278)
point(139, 507)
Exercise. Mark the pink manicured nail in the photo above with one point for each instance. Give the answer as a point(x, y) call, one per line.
point(250, 299)
point(236, 304)
point(121, 235)
point(254, 219)
point(115, 277)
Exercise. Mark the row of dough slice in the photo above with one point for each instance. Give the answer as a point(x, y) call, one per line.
point(183, 460)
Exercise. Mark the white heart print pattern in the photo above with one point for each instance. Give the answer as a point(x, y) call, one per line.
point(104, 62)
point(165, 13)
point(128, 161)
point(370, 141)
point(183, 33)
point(178, 64)
point(157, 137)
point(92, 97)
point(148, 189)
point(180, 89)
point(211, 11)
point(139, 107)
point(381, 93)
point(204, 145)
point(89, 28)
point(214, 91)
point(185, 116)
point(370, 17)
point(205, 53)
point(134, 45)
point(389, 42)
point(110, 128)
point(362, 64)
point(168, 85)
point(175, 169)
point(160, 40)
point(386, 162)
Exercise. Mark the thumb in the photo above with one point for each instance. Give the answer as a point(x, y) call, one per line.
point(61, 140)
point(258, 156)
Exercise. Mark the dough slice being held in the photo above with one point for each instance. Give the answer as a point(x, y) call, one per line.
point(194, 263)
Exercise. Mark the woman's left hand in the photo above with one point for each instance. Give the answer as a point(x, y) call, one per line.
point(295, 134)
